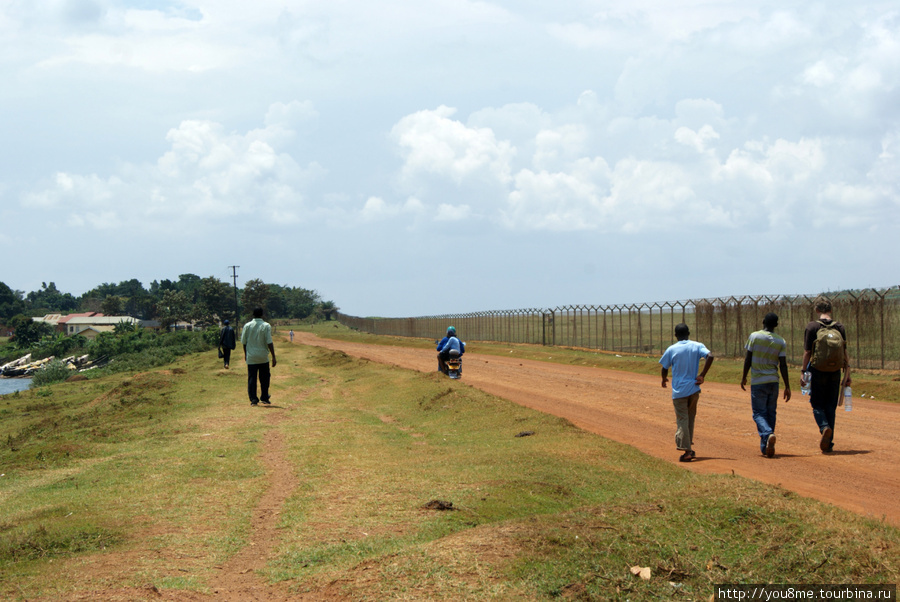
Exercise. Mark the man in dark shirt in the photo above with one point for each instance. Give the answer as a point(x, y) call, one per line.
point(227, 342)
point(825, 387)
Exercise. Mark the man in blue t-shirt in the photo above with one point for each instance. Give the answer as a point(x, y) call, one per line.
point(684, 359)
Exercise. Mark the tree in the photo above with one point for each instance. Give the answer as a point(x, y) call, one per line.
point(217, 297)
point(10, 302)
point(28, 332)
point(190, 285)
point(303, 302)
point(136, 300)
point(123, 327)
point(93, 299)
point(327, 308)
point(255, 294)
point(130, 288)
point(49, 298)
point(291, 302)
point(173, 307)
point(113, 306)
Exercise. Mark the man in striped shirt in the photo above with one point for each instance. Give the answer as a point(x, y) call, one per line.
point(766, 355)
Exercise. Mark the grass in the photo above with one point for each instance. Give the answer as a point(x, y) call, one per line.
point(157, 474)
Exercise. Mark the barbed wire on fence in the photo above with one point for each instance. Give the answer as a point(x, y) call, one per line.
point(871, 317)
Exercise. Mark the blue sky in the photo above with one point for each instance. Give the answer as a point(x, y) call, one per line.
point(413, 158)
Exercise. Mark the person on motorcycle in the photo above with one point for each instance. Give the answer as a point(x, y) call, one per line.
point(449, 346)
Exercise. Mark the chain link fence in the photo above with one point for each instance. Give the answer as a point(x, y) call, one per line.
point(871, 318)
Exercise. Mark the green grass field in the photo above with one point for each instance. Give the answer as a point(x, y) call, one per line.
point(157, 475)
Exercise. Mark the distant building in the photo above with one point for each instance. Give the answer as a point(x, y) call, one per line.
point(97, 323)
point(59, 321)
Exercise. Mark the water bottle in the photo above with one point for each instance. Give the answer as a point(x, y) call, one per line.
point(804, 385)
point(848, 399)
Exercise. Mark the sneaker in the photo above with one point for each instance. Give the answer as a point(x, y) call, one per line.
point(770, 446)
point(266, 401)
point(825, 443)
point(254, 403)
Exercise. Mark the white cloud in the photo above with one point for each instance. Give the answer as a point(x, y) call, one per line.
point(376, 208)
point(433, 144)
point(576, 121)
point(207, 175)
point(452, 213)
point(559, 146)
point(696, 140)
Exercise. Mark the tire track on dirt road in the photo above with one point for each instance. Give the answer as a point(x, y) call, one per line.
point(860, 476)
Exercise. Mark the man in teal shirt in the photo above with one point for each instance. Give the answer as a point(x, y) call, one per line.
point(256, 337)
point(766, 354)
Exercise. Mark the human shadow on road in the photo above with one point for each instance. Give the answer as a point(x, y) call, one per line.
point(836, 452)
point(848, 452)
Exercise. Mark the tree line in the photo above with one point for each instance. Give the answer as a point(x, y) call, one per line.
point(201, 301)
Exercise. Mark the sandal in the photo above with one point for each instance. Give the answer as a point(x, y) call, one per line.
point(687, 456)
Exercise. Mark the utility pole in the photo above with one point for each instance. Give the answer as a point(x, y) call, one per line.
point(237, 314)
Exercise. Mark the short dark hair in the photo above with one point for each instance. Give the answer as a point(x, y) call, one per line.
point(257, 312)
point(823, 305)
point(771, 319)
point(682, 331)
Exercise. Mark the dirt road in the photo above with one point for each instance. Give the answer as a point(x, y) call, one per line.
point(861, 475)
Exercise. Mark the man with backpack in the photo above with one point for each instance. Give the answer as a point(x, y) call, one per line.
point(824, 356)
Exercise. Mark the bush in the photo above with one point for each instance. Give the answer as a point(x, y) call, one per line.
point(211, 336)
point(54, 371)
point(142, 350)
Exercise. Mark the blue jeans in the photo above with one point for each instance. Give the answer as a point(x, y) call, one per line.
point(764, 401)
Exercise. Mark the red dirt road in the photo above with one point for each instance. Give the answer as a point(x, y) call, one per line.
point(861, 475)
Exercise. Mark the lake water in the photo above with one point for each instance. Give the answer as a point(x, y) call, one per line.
point(11, 385)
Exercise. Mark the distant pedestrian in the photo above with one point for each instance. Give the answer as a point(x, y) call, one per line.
point(684, 359)
point(766, 355)
point(227, 342)
point(256, 338)
point(292, 335)
point(824, 355)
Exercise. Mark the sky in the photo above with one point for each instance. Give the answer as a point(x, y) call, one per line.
point(423, 157)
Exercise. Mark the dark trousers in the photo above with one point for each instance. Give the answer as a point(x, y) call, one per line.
point(824, 391)
point(261, 371)
point(226, 354)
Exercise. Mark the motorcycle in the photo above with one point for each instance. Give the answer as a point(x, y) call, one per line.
point(452, 366)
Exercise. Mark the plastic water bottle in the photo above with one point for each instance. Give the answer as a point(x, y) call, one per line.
point(804, 388)
point(848, 399)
